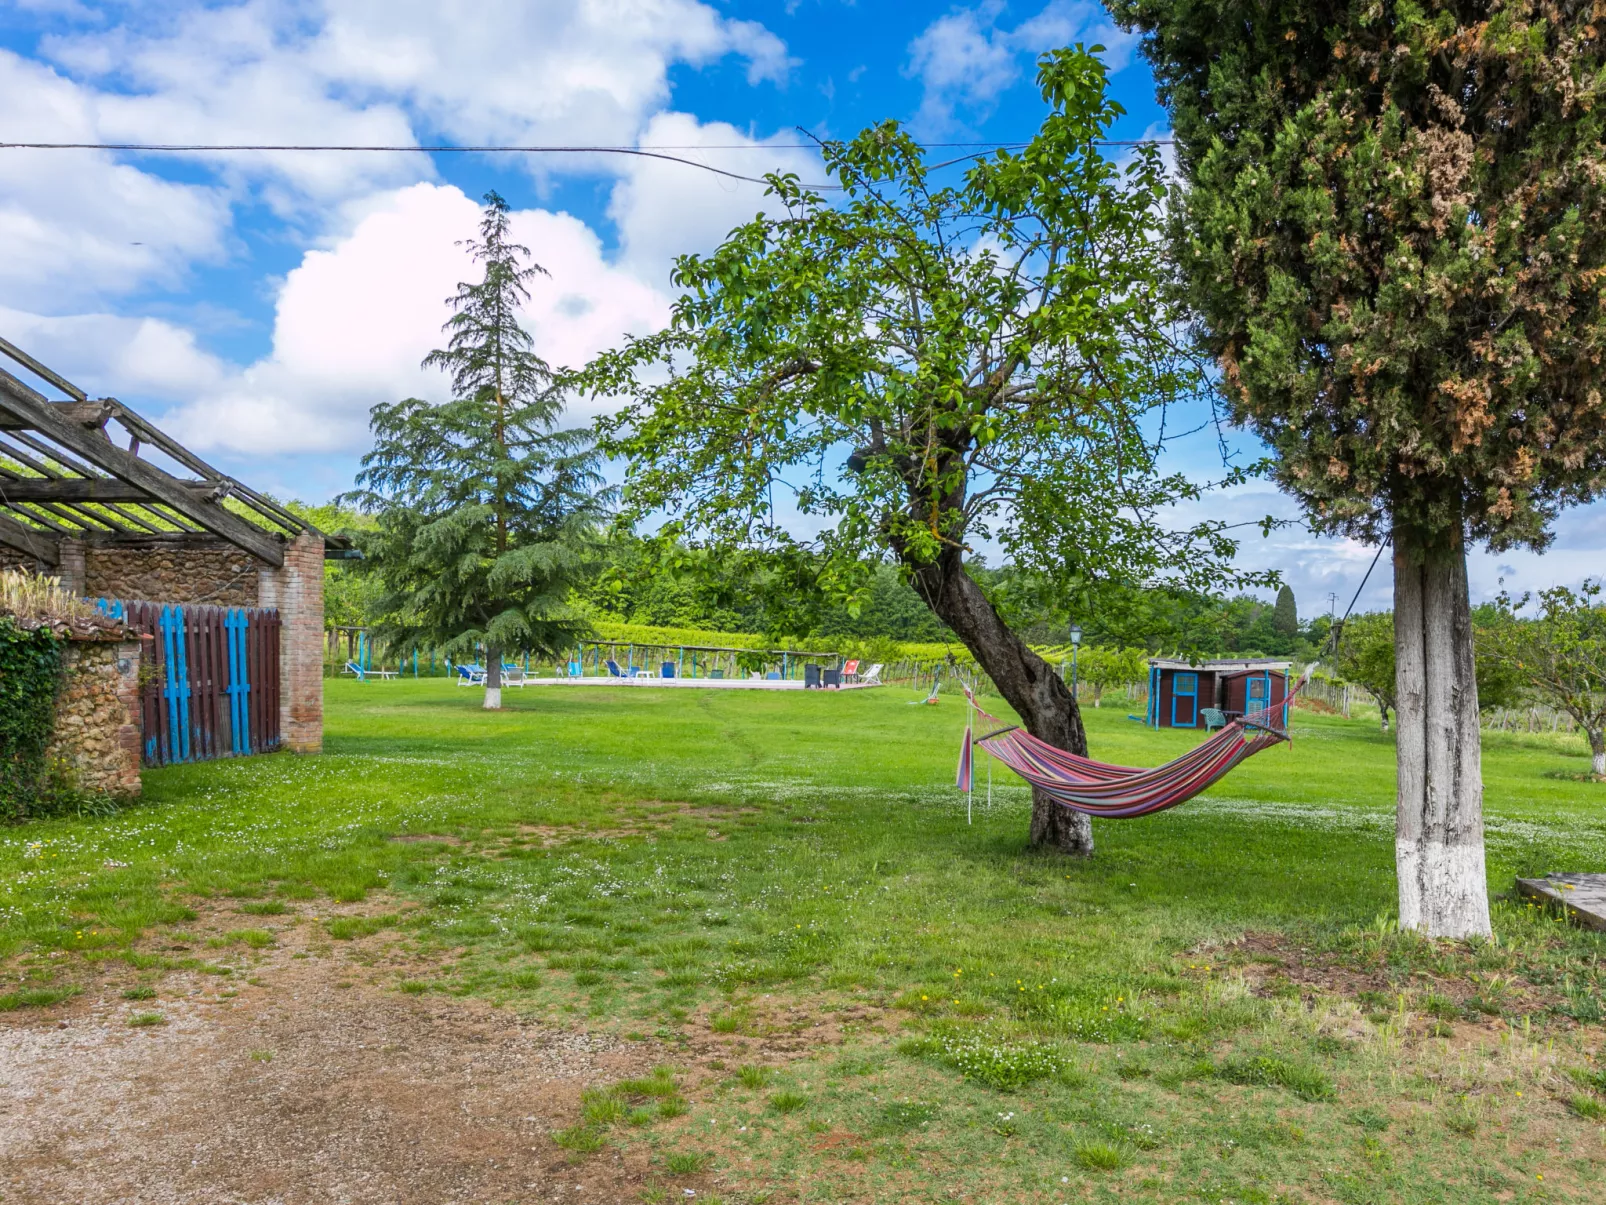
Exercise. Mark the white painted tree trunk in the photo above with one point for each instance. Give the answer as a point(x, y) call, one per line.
point(493, 679)
point(1438, 835)
point(1597, 747)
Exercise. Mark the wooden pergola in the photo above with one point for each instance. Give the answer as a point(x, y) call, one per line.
point(91, 470)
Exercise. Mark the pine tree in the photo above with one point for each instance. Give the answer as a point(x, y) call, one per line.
point(485, 508)
point(1393, 235)
point(1285, 618)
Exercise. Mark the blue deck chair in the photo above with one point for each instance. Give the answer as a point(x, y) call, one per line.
point(613, 669)
point(471, 675)
point(669, 669)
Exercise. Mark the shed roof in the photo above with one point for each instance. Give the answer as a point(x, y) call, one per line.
point(63, 477)
point(1224, 666)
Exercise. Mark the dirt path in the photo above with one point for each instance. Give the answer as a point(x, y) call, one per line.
point(309, 1085)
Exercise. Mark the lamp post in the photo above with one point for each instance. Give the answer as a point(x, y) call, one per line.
point(1076, 643)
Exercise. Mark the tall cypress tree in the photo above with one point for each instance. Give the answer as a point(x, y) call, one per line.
point(1393, 235)
point(1285, 616)
point(486, 508)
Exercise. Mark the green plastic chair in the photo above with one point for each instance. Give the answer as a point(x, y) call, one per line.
point(1213, 717)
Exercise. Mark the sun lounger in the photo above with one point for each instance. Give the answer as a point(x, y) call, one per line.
point(871, 676)
point(470, 675)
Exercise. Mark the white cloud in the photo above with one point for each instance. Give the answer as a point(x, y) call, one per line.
point(107, 355)
point(76, 225)
point(355, 319)
point(966, 60)
point(571, 72)
point(663, 209)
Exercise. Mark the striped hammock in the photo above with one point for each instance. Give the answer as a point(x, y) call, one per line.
point(1120, 792)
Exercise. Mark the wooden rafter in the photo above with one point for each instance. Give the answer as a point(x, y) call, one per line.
point(62, 477)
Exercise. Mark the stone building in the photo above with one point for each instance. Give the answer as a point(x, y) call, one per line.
point(92, 493)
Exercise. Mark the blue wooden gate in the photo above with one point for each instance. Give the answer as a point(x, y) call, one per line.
point(209, 679)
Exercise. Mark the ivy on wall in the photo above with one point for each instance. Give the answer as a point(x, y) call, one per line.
point(30, 674)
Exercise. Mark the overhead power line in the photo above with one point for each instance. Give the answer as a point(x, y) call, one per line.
point(660, 153)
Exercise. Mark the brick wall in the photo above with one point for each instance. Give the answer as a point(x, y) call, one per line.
point(218, 574)
point(97, 737)
point(296, 589)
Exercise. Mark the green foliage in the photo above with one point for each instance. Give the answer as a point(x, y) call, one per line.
point(1392, 232)
point(1559, 655)
point(927, 366)
point(1365, 656)
point(485, 510)
point(30, 675)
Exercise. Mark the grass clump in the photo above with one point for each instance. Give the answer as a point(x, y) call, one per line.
point(257, 939)
point(146, 1020)
point(685, 1163)
point(579, 1140)
point(754, 1077)
point(264, 908)
point(141, 992)
point(788, 1101)
point(602, 1106)
point(1265, 1070)
point(1590, 1108)
point(345, 928)
point(1100, 1157)
point(989, 1058)
point(39, 997)
point(659, 1083)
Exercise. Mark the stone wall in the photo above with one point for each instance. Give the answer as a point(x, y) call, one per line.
point(218, 575)
point(97, 738)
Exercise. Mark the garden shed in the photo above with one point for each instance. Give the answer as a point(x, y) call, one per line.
point(230, 583)
point(1180, 691)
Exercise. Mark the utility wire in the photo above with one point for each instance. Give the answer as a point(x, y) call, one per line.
point(659, 153)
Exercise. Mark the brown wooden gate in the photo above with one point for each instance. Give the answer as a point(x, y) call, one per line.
point(209, 679)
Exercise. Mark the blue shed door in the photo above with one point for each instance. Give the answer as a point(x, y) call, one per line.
point(1259, 697)
point(1185, 701)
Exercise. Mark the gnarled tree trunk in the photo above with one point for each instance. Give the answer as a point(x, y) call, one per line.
point(1027, 682)
point(1438, 836)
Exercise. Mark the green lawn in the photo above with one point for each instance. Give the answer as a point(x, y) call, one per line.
point(1013, 1026)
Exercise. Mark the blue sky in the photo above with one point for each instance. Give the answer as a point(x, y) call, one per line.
point(258, 304)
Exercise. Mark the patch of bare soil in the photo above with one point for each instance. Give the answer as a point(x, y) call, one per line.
point(313, 1084)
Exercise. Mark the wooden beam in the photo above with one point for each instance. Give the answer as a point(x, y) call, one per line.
point(85, 414)
point(40, 371)
point(34, 409)
point(40, 545)
point(85, 489)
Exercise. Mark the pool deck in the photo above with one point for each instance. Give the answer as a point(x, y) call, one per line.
point(688, 683)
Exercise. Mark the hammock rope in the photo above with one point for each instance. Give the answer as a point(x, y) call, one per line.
point(1121, 792)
